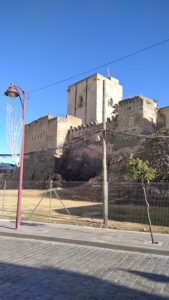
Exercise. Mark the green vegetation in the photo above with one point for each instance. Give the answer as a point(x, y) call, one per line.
point(156, 151)
point(140, 170)
point(137, 214)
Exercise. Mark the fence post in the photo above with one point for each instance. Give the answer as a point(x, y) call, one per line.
point(3, 198)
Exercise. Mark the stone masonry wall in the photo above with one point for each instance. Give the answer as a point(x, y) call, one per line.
point(138, 114)
point(165, 113)
point(41, 134)
point(82, 154)
point(81, 144)
point(37, 165)
point(85, 98)
point(48, 133)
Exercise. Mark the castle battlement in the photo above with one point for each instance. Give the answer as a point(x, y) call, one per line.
point(136, 114)
point(137, 99)
point(89, 129)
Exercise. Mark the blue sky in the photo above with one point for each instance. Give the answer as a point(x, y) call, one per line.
point(46, 41)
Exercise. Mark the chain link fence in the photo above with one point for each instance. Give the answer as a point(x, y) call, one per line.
point(83, 202)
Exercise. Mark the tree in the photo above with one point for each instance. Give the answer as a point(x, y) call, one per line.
point(140, 170)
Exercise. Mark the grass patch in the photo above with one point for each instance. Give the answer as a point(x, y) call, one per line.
point(85, 213)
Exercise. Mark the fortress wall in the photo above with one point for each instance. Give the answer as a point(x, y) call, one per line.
point(84, 157)
point(85, 98)
point(88, 130)
point(61, 131)
point(72, 100)
point(37, 165)
point(150, 110)
point(91, 100)
point(48, 132)
point(165, 113)
point(63, 125)
point(51, 137)
point(130, 114)
point(82, 99)
point(113, 94)
point(138, 114)
point(80, 108)
point(73, 121)
point(82, 153)
point(39, 134)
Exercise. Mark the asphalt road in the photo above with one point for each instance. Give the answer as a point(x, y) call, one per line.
point(31, 269)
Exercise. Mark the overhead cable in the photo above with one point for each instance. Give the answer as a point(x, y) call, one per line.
point(100, 66)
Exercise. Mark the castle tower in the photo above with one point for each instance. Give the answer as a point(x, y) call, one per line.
point(138, 114)
point(85, 98)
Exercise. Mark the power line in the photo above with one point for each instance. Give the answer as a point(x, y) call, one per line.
point(100, 66)
point(139, 135)
point(87, 135)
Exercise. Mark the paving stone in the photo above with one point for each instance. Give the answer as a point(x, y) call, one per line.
point(31, 269)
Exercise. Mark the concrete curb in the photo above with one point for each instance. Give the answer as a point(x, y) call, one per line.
point(87, 243)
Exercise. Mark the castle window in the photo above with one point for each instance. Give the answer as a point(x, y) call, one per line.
point(110, 102)
point(80, 101)
point(41, 135)
point(32, 138)
point(38, 136)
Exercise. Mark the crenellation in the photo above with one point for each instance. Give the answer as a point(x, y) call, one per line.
point(92, 127)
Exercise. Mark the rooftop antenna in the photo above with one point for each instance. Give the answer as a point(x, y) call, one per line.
point(108, 72)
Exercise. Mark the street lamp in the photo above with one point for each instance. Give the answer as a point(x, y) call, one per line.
point(12, 93)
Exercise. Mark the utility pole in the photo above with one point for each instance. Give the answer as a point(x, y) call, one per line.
point(105, 183)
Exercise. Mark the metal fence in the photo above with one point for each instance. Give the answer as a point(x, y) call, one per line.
point(84, 202)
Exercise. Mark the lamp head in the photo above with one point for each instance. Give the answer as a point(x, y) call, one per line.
point(12, 92)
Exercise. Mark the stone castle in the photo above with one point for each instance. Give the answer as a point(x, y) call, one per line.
point(48, 137)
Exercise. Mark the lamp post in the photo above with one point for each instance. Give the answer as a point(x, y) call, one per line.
point(12, 93)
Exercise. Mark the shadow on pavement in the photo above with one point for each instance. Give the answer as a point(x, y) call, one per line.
point(8, 224)
point(22, 282)
point(32, 224)
point(12, 224)
point(151, 276)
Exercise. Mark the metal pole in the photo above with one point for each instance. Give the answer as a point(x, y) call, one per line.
point(3, 198)
point(105, 183)
point(18, 214)
point(50, 200)
point(64, 207)
point(44, 195)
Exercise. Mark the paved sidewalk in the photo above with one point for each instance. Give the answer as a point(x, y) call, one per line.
point(97, 237)
point(35, 269)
